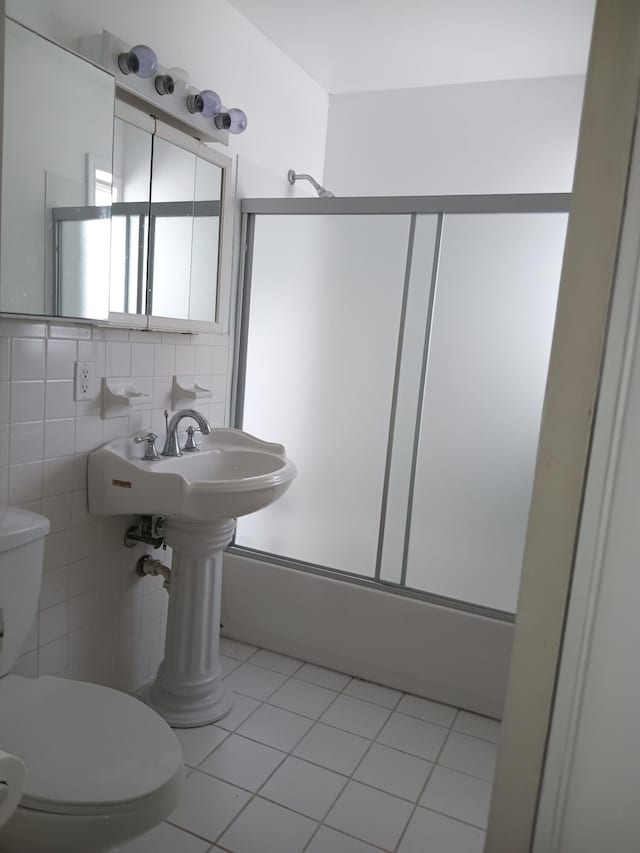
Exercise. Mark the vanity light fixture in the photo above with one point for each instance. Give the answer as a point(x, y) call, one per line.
point(165, 84)
point(141, 60)
point(138, 71)
point(233, 120)
point(207, 103)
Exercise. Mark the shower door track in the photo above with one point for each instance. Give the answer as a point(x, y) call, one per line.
point(371, 583)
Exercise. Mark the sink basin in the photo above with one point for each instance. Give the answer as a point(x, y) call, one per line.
point(232, 474)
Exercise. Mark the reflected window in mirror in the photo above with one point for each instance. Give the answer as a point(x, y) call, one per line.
point(132, 150)
point(171, 228)
point(184, 230)
point(206, 241)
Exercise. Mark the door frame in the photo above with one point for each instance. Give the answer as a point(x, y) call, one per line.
point(572, 396)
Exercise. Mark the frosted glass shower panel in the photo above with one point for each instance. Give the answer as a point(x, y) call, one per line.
point(489, 348)
point(326, 296)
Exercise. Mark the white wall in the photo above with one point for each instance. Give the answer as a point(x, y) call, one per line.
point(517, 136)
point(287, 110)
point(97, 619)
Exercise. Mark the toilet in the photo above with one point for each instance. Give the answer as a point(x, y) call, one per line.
point(101, 767)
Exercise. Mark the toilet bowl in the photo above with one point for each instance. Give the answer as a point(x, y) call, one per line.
point(102, 767)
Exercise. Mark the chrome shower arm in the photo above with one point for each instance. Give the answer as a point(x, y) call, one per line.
point(292, 177)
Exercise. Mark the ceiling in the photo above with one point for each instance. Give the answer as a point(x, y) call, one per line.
point(367, 45)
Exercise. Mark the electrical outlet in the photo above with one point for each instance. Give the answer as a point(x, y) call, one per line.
point(83, 380)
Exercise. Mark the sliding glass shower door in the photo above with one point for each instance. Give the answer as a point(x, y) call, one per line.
point(401, 358)
point(482, 394)
point(325, 308)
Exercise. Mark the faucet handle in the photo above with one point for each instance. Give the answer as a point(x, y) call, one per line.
point(150, 451)
point(190, 444)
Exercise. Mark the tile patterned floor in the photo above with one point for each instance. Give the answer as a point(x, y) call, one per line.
point(316, 761)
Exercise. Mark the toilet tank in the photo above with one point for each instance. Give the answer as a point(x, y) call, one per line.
point(21, 552)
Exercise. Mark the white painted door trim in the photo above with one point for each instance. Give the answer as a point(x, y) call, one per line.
point(622, 347)
point(591, 254)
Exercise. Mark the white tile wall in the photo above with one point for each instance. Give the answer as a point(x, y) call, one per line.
point(97, 619)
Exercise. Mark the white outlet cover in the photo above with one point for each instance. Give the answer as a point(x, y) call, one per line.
point(83, 376)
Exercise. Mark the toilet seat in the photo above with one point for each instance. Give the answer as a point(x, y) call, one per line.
point(89, 750)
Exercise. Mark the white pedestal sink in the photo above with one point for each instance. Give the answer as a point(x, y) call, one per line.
point(200, 494)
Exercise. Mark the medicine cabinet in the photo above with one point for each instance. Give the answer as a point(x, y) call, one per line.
point(166, 226)
point(109, 213)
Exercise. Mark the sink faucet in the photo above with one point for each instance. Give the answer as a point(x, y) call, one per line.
point(171, 445)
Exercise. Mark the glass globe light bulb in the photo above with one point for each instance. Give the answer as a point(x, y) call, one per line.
point(238, 120)
point(181, 80)
point(141, 60)
point(207, 103)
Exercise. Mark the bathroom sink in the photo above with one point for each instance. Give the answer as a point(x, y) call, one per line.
point(232, 474)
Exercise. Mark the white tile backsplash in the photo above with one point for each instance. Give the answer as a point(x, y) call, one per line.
point(4, 444)
point(27, 359)
point(52, 657)
point(57, 476)
point(27, 401)
point(25, 482)
point(89, 434)
point(185, 360)
point(98, 620)
point(61, 357)
point(52, 622)
point(5, 347)
point(118, 358)
point(55, 588)
point(58, 509)
point(26, 442)
point(94, 352)
point(142, 358)
point(75, 333)
point(4, 482)
point(165, 358)
point(59, 402)
point(59, 437)
point(4, 401)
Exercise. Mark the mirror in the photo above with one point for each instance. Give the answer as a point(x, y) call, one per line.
point(56, 180)
point(130, 216)
point(164, 259)
point(185, 224)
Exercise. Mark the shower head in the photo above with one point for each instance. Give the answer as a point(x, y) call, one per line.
point(292, 177)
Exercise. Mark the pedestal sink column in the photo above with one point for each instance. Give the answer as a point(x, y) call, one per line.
point(188, 689)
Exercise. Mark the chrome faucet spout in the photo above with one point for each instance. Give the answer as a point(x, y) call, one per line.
point(172, 445)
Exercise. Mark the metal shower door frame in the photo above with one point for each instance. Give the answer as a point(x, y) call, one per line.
point(412, 206)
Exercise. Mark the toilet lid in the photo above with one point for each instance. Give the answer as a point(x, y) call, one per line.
point(87, 749)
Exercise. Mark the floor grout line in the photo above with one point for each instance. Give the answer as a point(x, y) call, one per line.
point(316, 721)
point(424, 787)
point(256, 793)
point(372, 740)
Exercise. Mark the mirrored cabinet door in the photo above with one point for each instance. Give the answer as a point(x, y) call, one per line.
point(171, 228)
point(132, 148)
point(186, 187)
point(166, 226)
point(203, 294)
point(57, 128)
